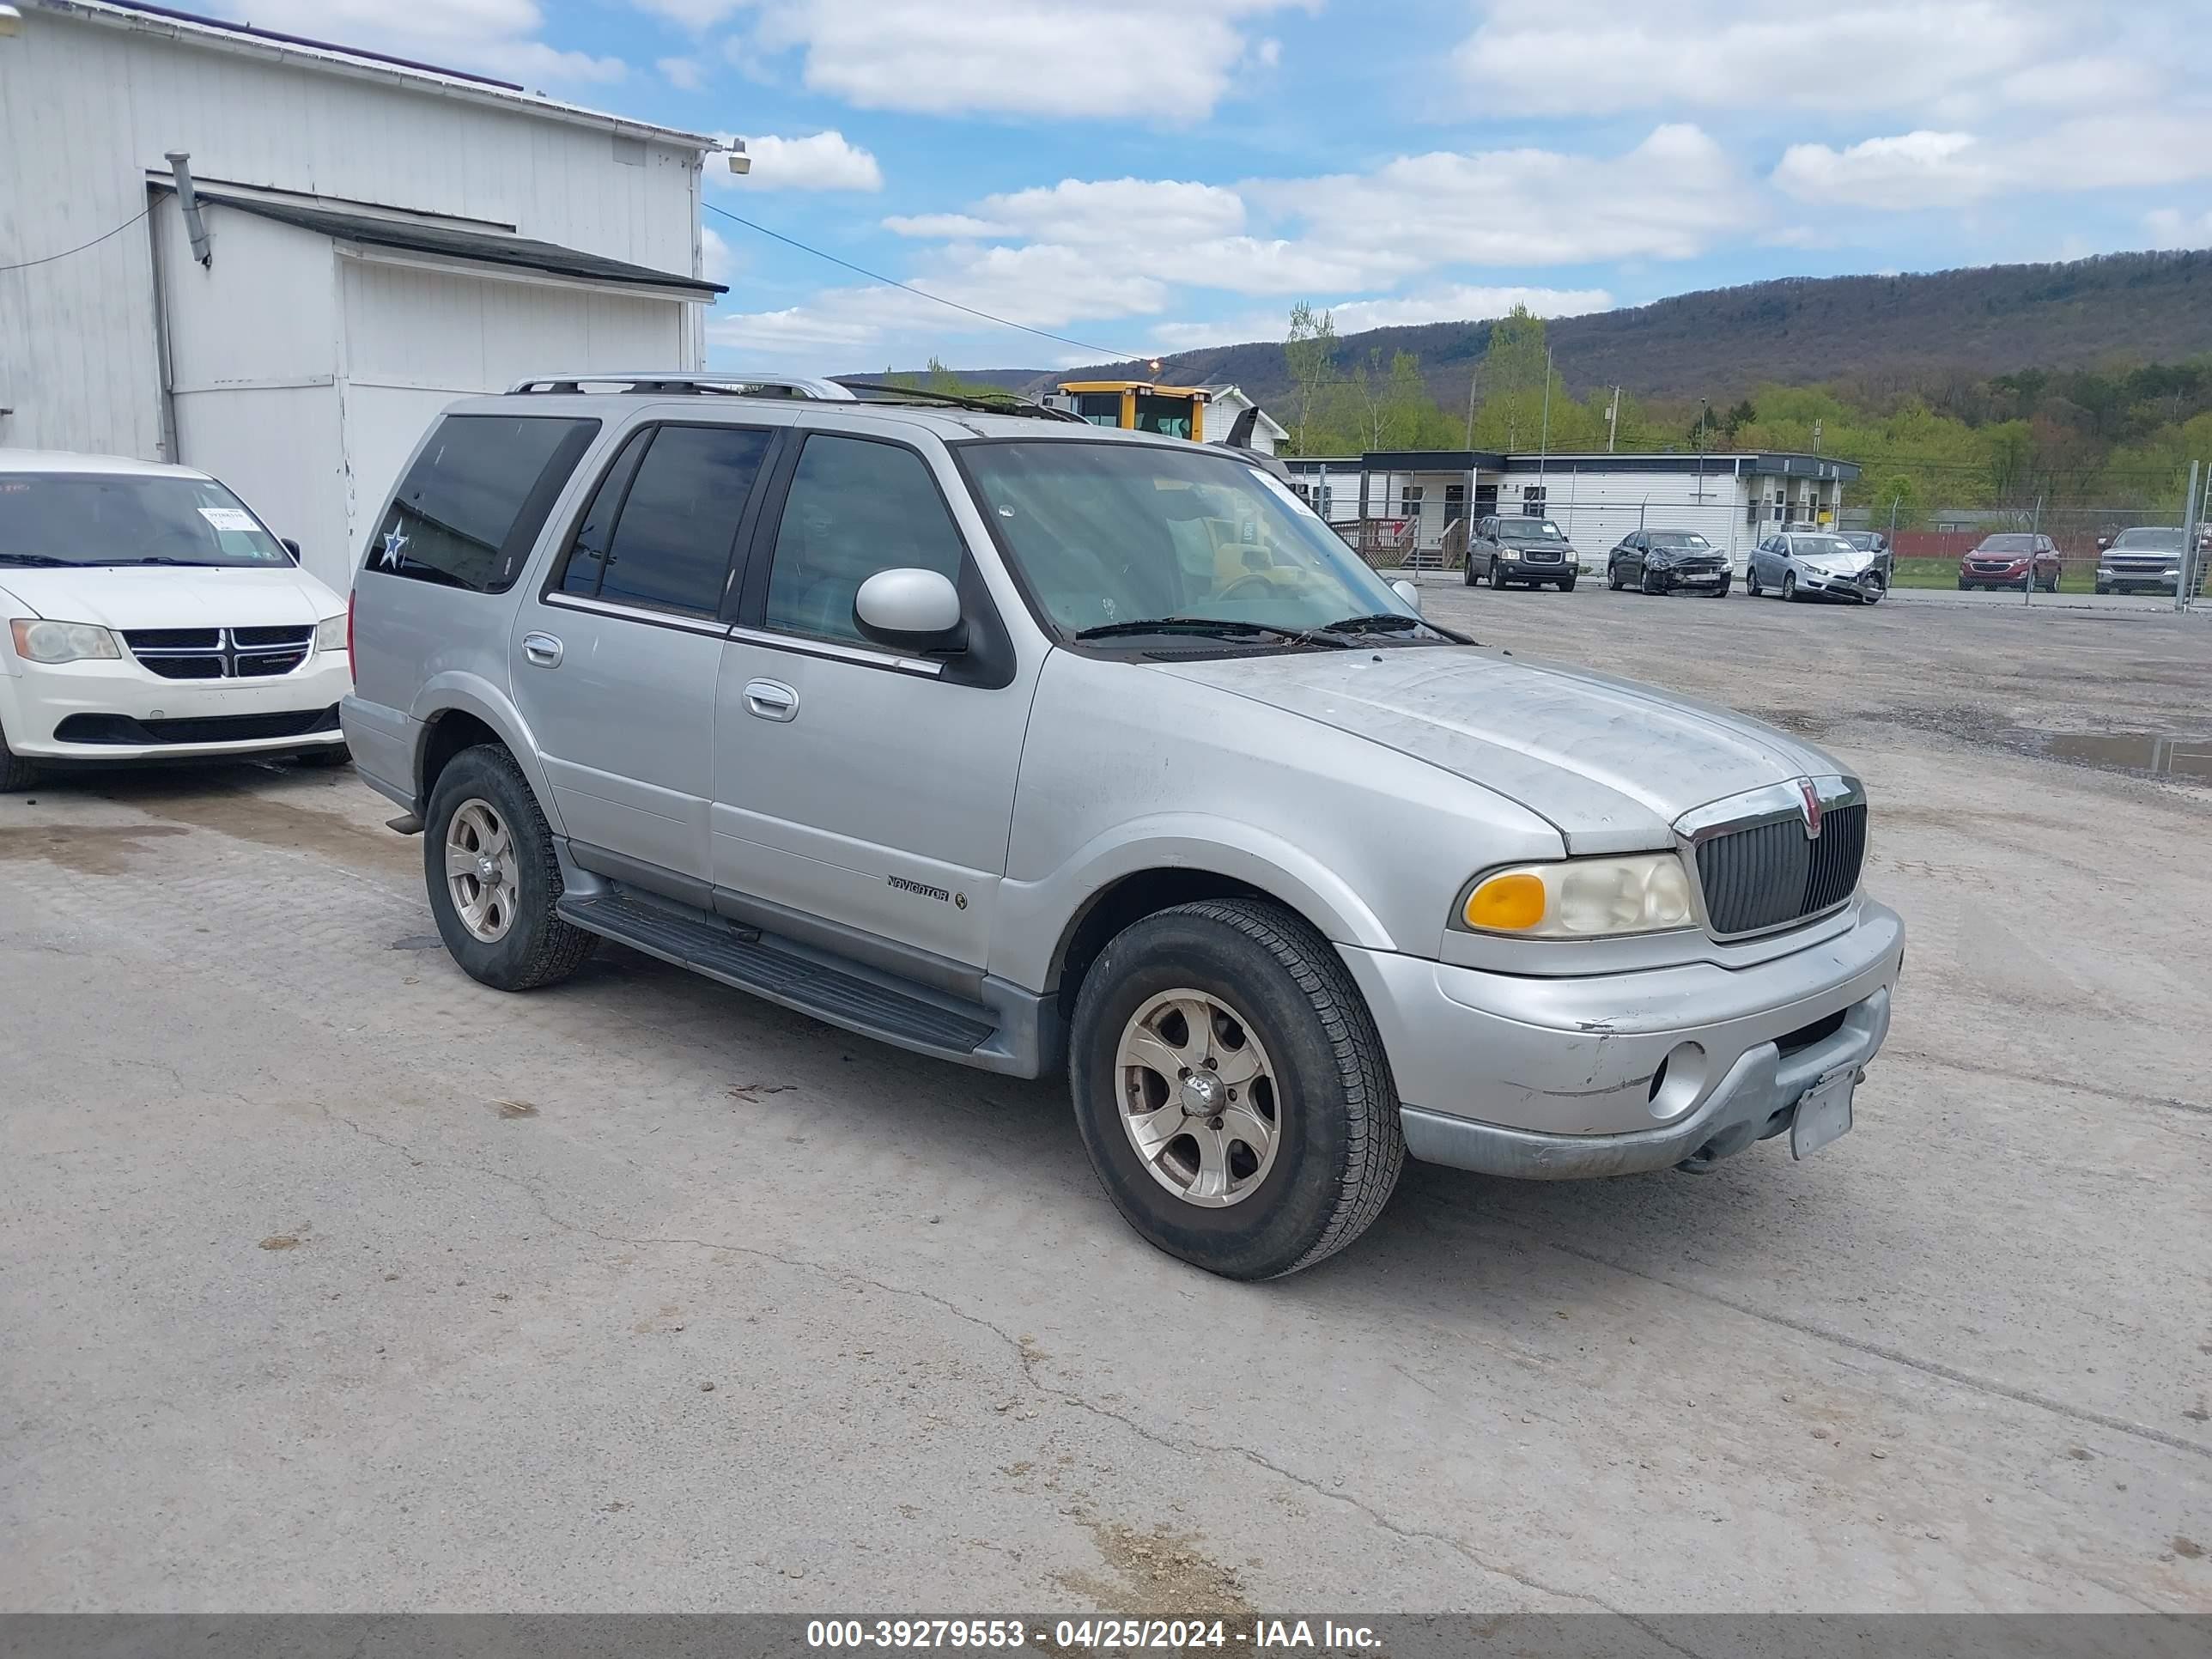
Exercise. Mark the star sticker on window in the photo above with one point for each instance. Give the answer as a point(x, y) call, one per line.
point(393, 553)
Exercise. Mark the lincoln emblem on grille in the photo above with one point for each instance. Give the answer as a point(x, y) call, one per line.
point(1812, 808)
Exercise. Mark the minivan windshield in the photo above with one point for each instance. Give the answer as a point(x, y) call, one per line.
point(1110, 535)
point(92, 519)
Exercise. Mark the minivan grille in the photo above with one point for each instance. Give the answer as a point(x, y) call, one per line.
point(220, 654)
point(1772, 874)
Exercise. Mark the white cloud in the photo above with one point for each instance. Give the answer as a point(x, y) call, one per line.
point(493, 37)
point(821, 162)
point(1166, 61)
point(695, 14)
point(683, 73)
point(1725, 54)
point(1669, 197)
point(1077, 210)
point(2130, 150)
point(1912, 170)
point(719, 262)
point(2171, 227)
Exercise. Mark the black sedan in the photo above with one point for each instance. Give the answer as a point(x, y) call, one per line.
point(1661, 561)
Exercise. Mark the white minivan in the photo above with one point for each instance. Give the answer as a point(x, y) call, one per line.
point(146, 613)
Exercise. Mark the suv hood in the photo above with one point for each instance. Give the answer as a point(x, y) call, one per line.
point(171, 596)
point(1611, 765)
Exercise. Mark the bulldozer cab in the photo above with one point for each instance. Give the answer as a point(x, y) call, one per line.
point(1175, 411)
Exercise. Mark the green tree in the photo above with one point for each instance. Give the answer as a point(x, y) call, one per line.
point(1310, 351)
point(1513, 370)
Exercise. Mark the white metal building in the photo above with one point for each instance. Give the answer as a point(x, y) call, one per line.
point(1734, 500)
point(379, 237)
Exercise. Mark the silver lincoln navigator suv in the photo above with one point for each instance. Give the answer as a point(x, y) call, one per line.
point(1023, 744)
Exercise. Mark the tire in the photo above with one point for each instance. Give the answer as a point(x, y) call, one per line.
point(531, 946)
point(1497, 582)
point(1965, 585)
point(1336, 1147)
point(1646, 584)
point(2102, 588)
point(1467, 576)
point(1788, 587)
point(1568, 586)
point(1722, 592)
point(2051, 587)
point(1612, 577)
point(15, 773)
point(1751, 584)
point(1871, 595)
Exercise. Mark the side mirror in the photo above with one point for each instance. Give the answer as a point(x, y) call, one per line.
point(911, 609)
point(291, 547)
point(1412, 595)
point(2103, 541)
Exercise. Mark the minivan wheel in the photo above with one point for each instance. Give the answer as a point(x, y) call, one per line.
point(488, 861)
point(1232, 1091)
point(15, 772)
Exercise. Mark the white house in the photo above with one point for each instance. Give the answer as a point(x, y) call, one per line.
point(1224, 403)
point(1734, 500)
point(372, 238)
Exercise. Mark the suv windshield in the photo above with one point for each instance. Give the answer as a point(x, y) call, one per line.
point(1107, 534)
point(2149, 540)
point(2006, 545)
point(1529, 530)
point(85, 518)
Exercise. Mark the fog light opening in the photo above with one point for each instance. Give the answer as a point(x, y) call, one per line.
point(1678, 1082)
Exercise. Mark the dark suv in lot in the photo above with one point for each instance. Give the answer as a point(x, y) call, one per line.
point(2011, 560)
point(1508, 549)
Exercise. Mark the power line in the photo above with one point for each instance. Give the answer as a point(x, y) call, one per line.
point(923, 293)
point(81, 246)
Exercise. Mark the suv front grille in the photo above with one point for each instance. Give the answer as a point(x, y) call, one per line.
point(1770, 874)
point(220, 654)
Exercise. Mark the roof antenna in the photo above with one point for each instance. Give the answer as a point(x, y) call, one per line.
point(180, 163)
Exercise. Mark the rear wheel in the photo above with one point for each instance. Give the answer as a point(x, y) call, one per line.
point(1232, 1091)
point(1751, 582)
point(488, 861)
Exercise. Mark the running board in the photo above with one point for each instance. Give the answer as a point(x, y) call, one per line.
point(786, 973)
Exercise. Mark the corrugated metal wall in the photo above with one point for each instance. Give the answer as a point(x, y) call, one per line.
point(86, 110)
point(1596, 507)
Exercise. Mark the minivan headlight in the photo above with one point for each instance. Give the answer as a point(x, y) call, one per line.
point(329, 632)
point(61, 641)
point(1581, 898)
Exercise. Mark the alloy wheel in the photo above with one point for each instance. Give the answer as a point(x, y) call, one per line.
point(1198, 1098)
point(480, 870)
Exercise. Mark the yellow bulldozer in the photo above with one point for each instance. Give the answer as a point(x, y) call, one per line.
point(1177, 411)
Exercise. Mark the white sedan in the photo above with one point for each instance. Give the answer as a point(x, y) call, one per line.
point(1801, 564)
point(146, 613)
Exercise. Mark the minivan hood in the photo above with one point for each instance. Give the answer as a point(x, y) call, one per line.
point(1611, 765)
point(172, 595)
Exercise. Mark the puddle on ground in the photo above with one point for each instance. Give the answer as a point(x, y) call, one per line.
point(2130, 751)
point(90, 849)
point(258, 815)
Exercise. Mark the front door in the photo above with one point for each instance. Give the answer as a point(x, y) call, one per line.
point(853, 783)
point(614, 663)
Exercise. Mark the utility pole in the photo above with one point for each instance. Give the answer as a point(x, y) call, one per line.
point(1612, 424)
point(1816, 440)
point(1473, 378)
point(2034, 532)
point(1544, 444)
point(1702, 409)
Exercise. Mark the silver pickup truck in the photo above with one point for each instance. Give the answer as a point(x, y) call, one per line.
point(1023, 744)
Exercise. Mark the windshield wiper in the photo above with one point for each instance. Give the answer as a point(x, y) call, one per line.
point(34, 558)
point(1382, 621)
point(163, 558)
point(1208, 625)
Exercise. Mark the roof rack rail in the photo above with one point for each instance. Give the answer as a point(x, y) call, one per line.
point(688, 382)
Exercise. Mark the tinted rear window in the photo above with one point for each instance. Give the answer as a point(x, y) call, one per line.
point(470, 508)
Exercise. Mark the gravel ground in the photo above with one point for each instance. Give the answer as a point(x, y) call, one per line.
point(333, 1281)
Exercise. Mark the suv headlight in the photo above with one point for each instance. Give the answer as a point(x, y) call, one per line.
point(329, 632)
point(1581, 898)
point(61, 641)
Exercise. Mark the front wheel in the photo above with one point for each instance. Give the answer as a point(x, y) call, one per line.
point(488, 861)
point(15, 772)
point(1612, 577)
point(1649, 584)
point(1232, 1091)
point(1872, 595)
point(1721, 592)
point(1568, 586)
point(1789, 586)
point(1497, 582)
point(1467, 576)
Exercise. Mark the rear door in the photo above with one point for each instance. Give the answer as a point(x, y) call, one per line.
point(614, 658)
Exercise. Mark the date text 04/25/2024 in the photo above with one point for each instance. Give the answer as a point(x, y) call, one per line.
point(1104, 1634)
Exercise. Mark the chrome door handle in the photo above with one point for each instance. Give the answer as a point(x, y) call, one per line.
point(542, 649)
point(772, 699)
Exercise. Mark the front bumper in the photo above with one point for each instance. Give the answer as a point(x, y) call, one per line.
point(49, 709)
point(1521, 570)
point(1617, 1073)
point(2138, 581)
point(1670, 579)
point(1842, 587)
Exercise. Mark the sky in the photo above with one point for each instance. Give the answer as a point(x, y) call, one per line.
point(1144, 176)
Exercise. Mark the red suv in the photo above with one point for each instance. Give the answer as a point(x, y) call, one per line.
point(2012, 561)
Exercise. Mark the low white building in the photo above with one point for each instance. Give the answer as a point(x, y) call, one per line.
point(1224, 403)
point(373, 239)
point(1734, 500)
